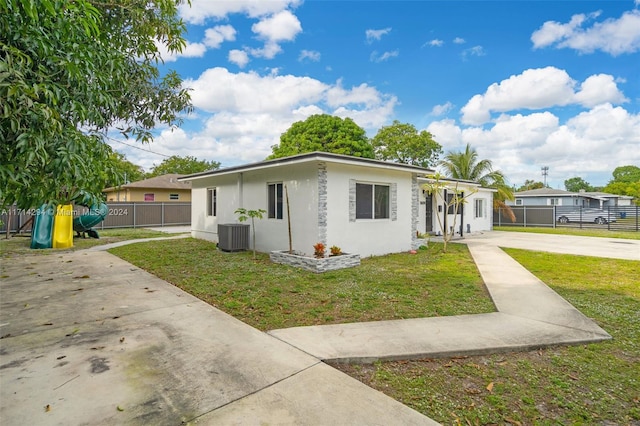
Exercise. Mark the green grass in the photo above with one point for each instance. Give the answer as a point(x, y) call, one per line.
point(20, 244)
point(585, 232)
point(587, 384)
point(270, 296)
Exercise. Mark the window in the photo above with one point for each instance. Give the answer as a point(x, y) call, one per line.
point(451, 202)
point(174, 196)
point(150, 197)
point(274, 191)
point(519, 201)
point(212, 201)
point(372, 201)
point(554, 202)
point(479, 208)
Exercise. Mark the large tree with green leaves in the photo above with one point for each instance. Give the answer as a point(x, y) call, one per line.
point(530, 184)
point(575, 184)
point(326, 133)
point(402, 143)
point(466, 165)
point(182, 166)
point(69, 72)
point(626, 181)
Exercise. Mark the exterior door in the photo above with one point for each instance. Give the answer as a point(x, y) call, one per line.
point(428, 213)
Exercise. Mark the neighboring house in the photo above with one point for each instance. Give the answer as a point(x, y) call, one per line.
point(558, 197)
point(363, 206)
point(164, 188)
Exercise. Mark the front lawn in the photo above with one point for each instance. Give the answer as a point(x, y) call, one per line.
point(589, 384)
point(270, 296)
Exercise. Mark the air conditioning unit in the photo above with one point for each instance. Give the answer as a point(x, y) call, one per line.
point(233, 237)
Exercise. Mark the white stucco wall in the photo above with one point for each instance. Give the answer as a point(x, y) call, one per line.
point(367, 237)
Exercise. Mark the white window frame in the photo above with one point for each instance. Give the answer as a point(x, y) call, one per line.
point(554, 202)
point(519, 202)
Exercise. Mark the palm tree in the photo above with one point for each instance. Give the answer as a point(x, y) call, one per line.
point(465, 165)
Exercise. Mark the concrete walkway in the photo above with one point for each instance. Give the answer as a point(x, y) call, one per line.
point(88, 338)
point(529, 315)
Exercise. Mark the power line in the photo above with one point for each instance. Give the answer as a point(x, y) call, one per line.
point(137, 147)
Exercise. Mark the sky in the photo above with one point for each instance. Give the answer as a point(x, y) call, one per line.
point(528, 84)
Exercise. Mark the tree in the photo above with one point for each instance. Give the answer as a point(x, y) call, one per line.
point(182, 166)
point(452, 201)
point(244, 214)
point(627, 174)
point(402, 143)
point(530, 184)
point(575, 184)
point(126, 169)
point(626, 181)
point(69, 72)
point(465, 165)
point(325, 133)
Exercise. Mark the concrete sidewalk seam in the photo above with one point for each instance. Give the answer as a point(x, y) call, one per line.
point(270, 385)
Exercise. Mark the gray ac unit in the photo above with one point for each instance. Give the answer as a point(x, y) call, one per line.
point(233, 237)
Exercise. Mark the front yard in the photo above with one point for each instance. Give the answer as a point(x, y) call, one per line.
point(589, 384)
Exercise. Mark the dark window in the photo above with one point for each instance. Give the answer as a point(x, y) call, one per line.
point(372, 201)
point(274, 201)
point(212, 202)
point(174, 196)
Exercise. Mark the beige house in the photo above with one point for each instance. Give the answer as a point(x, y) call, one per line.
point(165, 188)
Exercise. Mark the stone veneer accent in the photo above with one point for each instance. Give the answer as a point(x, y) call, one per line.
point(313, 264)
point(322, 202)
point(415, 212)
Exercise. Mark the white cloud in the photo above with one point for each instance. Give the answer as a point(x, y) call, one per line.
point(238, 57)
point(441, 109)
point(376, 57)
point(310, 55)
point(520, 144)
point(243, 114)
point(281, 26)
point(613, 36)
point(539, 88)
point(201, 10)
point(473, 51)
point(214, 37)
point(459, 40)
point(434, 43)
point(376, 34)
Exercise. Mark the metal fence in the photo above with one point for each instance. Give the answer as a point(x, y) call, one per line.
point(121, 215)
point(615, 218)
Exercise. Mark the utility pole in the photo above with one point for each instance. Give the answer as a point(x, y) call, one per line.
point(545, 173)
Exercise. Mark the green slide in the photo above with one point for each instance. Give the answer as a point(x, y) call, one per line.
point(86, 222)
point(42, 229)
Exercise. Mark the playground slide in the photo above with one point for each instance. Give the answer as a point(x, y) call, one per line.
point(63, 227)
point(85, 222)
point(42, 229)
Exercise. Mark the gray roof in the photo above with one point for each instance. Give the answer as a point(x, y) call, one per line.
point(545, 192)
point(310, 156)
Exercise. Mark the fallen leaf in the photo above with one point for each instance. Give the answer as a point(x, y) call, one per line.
point(96, 348)
point(82, 276)
point(120, 408)
point(61, 357)
point(121, 339)
point(490, 387)
point(48, 323)
point(47, 408)
point(571, 376)
point(513, 422)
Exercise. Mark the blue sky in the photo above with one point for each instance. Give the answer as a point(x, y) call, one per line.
point(526, 83)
